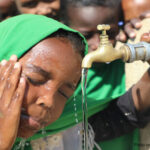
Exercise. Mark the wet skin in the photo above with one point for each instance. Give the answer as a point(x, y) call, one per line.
point(88, 25)
point(48, 8)
point(50, 81)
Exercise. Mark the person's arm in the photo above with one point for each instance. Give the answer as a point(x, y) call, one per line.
point(124, 114)
point(117, 119)
point(12, 89)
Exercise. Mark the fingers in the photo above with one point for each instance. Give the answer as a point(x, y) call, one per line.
point(136, 23)
point(121, 37)
point(129, 30)
point(18, 96)
point(5, 69)
point(11, 84)
point(145, 37)
point(146, 14)
point(9, 77)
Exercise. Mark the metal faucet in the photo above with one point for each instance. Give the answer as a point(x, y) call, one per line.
point(106, 53)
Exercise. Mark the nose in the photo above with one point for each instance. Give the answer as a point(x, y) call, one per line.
point(46, 101)
point(94, 42)
point(43, 10)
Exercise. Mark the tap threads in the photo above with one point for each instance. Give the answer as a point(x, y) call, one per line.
point(140, 51)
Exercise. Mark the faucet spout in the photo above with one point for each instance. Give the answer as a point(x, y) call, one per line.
point(105, 53)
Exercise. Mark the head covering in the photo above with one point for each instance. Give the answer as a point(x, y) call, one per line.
point(18, 34)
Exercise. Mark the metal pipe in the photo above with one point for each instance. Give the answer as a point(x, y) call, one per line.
point(106, 52)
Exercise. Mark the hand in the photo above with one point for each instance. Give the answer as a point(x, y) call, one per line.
point(129, 27)
point(12, 89)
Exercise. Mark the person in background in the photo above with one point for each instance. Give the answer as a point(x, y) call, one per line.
point(7, 9)
point(41, 7)
point(84, 16)
point(134, 12)
point(131, 12)
point(113, 127)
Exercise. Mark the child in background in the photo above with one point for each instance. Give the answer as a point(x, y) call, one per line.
point(41, 7)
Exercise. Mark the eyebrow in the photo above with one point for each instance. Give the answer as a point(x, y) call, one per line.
point(48, 75)
point(39, 70)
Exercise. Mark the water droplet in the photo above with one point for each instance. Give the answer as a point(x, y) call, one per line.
point(43, 131)
point(21, 145)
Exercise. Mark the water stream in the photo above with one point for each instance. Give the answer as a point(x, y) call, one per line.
point(84, 109)
point(88, 142)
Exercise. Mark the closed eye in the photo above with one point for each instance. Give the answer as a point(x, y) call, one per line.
point(36, 82)
point(63, 94)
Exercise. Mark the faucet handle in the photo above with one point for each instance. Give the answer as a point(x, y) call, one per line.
point(103, 28)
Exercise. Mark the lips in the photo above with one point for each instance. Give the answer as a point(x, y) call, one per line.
point(30, 122)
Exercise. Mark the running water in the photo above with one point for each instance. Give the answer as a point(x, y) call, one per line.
point(84, 109)
point(43, 131)
point(88, 142)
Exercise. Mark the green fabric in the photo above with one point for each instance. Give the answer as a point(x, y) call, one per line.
point(105, 81)
point(19, 34)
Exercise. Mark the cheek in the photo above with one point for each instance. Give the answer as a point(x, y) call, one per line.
point(30, 95)
point(58, 109)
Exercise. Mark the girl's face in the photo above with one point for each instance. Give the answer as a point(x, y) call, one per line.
point(48, 8)
point(52, 70)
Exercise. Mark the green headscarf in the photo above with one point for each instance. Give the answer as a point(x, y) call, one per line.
point(18, 34)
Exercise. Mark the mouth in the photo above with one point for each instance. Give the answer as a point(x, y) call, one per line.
point(30, 122)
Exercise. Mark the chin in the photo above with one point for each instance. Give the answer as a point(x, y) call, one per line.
point(25, 133)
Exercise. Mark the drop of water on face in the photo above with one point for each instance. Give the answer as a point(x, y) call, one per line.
point(75, 110)
point(21, 145)
point(43, 131)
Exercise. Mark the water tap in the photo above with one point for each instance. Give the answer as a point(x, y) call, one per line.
point(106, 53)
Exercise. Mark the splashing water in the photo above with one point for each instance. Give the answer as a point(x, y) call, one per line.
point(88, 133)
point(21, 145)
point(75, 110)
point(43, 131)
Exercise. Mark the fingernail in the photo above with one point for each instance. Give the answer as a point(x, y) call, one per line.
point(132, 35)
point(3, 62)
point(17, 65)
point(13, 58)
point(22, 80)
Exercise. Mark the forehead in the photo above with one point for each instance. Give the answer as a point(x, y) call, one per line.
point(92, 15)
point(52, 52)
